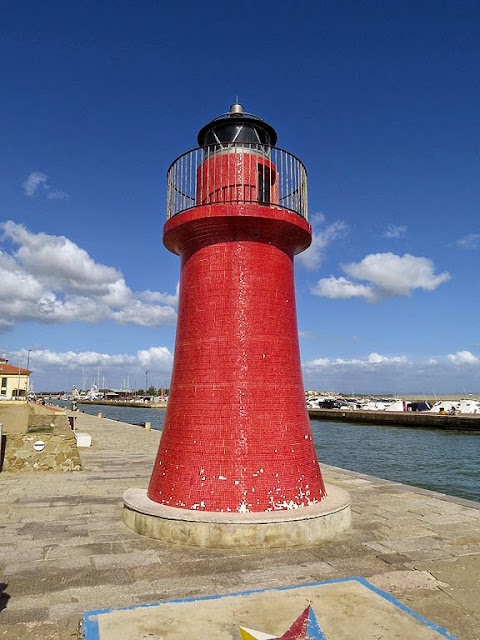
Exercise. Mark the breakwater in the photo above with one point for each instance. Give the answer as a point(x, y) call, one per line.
point(120, 403)
point(411, 419)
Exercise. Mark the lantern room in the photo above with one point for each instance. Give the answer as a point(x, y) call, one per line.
point(237, 162)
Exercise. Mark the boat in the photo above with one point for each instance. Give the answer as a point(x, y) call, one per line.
point(403, 405)
point(94, 394)
point(465, 405)
point(377, 404)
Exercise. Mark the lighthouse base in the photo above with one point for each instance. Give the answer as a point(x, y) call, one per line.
point(273, 529)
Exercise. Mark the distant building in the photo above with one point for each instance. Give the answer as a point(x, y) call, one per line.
point(14, 381)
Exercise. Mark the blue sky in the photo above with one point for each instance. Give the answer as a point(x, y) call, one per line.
point(378, 99)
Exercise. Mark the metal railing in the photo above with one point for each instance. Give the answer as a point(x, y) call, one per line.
point(237, 173)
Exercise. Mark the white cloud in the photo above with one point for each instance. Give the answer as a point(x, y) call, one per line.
point(50, 279)
point(164, 298)
point(319, 362)
point(155, 357)
point(388, 275)
point(38, 182)
point(463, 357)
point(60, 370)
point(374, 359)
point(342, 289)
point(145, 315)
point(377, 373)
point(470, 242)
point(35, 180)
point(60, 260)
point(394, 231)
point(396, 275)
point(321, 239)
point(309, 335)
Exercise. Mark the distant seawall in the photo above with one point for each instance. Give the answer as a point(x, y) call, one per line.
point(115, 403)
point(419, 419)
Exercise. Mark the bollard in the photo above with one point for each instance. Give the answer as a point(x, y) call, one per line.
point(148, 426)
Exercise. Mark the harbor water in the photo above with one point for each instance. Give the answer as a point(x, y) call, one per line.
point(444, 461)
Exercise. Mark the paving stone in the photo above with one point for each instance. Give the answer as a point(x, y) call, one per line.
point(447, 518)
point(410, 544)
point(90, 549)
point(58, 565)
point(439, 606)
point(394, 581)
point(47, 530)
point(394, 532)
point(16, 616)
point(453, 532)
point(428, 554)
point(459, 550)
point(20, 554)
point(395, 558)
point(65, 579)
point(359, 566)
point(119, 535)
point(31, 631)
point(127, 560)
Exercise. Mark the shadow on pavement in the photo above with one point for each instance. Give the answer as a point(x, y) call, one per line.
point(4, 597)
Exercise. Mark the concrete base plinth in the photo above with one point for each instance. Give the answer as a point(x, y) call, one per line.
point(299, 527)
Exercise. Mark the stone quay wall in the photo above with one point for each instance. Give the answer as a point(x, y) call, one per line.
point(412, 419)
point(37, 439)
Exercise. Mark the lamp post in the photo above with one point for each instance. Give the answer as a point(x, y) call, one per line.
point(27, 385)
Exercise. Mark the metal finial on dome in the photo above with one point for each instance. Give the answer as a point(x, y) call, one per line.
point(236, 109)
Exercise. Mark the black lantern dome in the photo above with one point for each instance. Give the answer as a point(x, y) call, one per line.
point(236, 128)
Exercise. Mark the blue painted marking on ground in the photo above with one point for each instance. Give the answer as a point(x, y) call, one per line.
point(313, 628)
point(399, 605)
point(90, 619)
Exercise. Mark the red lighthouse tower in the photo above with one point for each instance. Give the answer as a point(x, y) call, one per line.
point(237, 436)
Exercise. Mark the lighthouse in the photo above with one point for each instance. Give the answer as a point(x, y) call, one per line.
point(236, 447)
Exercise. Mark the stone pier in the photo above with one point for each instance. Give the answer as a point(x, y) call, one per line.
point(65, 550)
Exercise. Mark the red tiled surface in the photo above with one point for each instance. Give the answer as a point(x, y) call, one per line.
point(236, 435)
point(234, 177)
